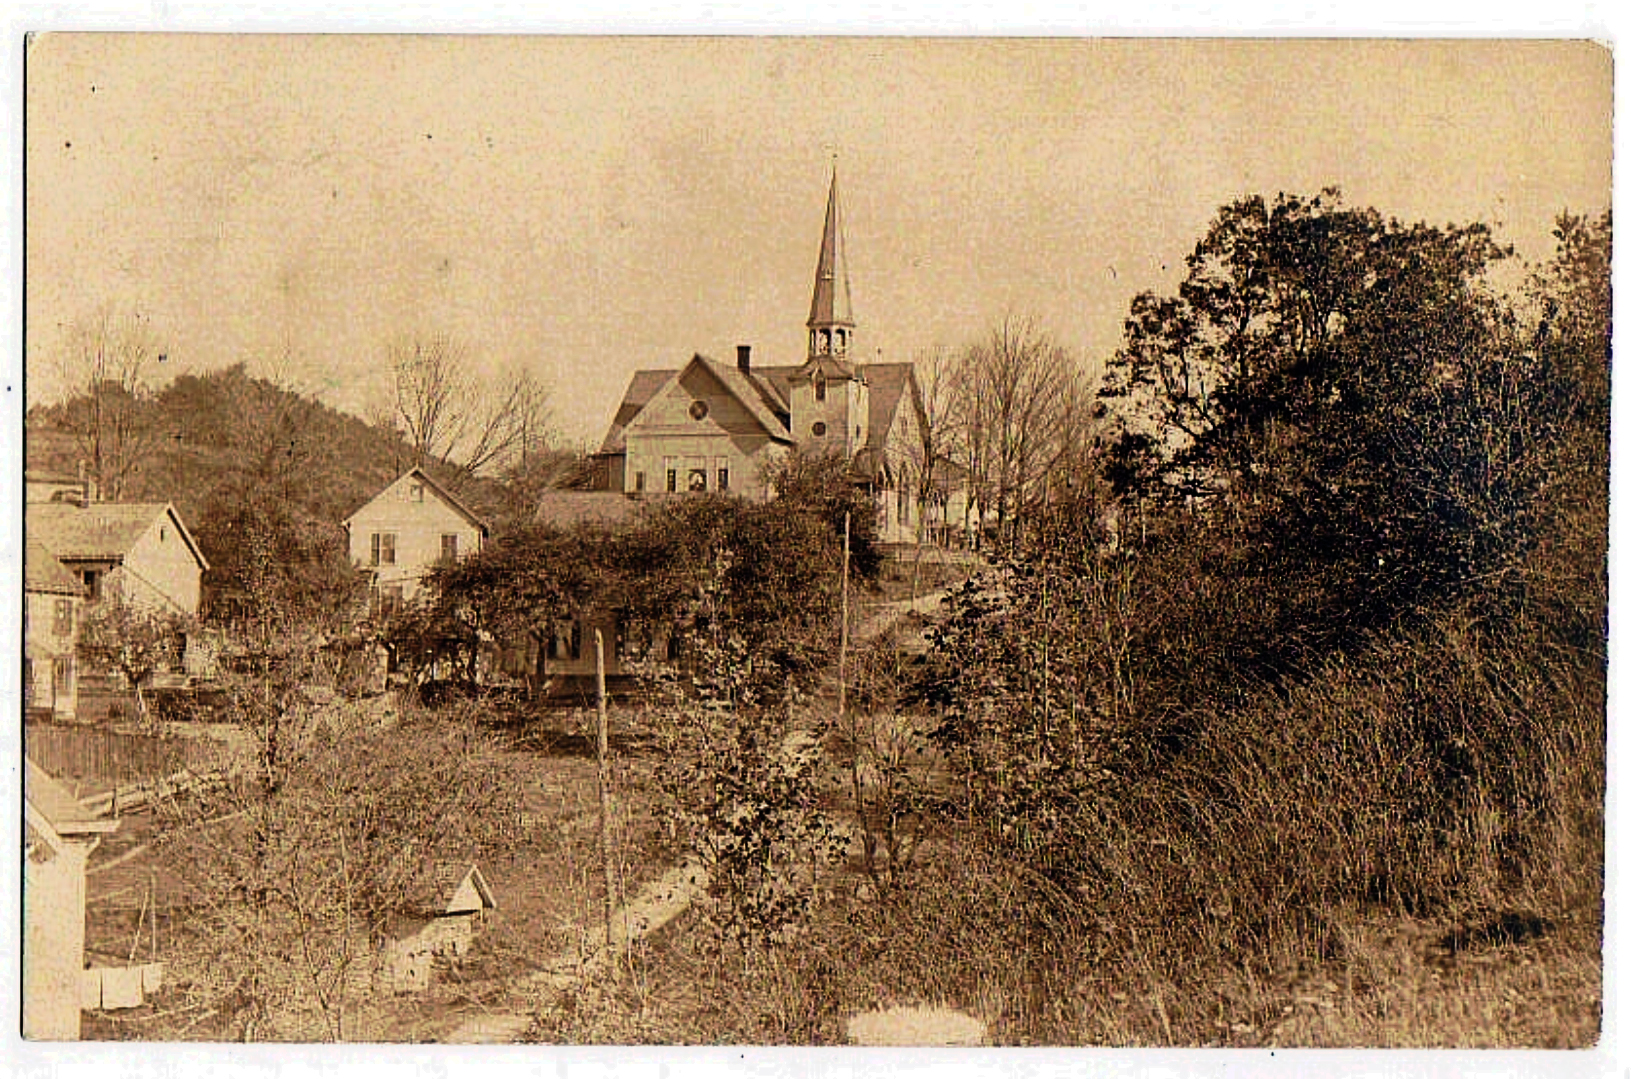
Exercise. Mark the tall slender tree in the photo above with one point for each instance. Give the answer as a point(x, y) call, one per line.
point(108, 370)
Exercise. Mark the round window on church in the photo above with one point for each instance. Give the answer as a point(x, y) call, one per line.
point(818, 428)
point(699, 409)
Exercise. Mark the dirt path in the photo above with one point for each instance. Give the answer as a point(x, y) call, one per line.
point(657, 904)
point(876, 619)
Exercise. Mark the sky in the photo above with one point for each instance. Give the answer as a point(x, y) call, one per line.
point(582, 208)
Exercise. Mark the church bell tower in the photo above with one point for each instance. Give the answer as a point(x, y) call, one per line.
point(829, 402)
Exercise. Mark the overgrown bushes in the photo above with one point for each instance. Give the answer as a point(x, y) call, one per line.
point(1360, 668)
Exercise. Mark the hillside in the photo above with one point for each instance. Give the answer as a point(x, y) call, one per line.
point(262, 475)
point(227, 429)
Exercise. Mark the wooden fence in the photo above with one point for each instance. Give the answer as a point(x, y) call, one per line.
point(98, 756)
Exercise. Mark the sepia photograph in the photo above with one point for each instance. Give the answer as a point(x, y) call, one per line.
point(973, 542)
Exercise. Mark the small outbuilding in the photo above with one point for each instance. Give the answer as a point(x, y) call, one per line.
point(59, 834)
point(439, 923)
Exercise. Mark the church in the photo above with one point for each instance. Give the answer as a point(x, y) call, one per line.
point(715, 426)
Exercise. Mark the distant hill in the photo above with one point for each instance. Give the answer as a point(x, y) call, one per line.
point(261, 473)
point(228, 431)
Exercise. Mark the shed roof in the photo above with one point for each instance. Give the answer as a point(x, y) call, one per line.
point(61, 810)
point(452, 888)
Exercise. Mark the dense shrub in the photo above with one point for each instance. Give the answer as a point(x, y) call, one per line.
point(1362, 665)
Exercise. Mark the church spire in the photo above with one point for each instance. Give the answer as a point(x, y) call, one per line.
point(831, 325)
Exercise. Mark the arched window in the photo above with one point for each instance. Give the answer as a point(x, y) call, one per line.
point(820, 386)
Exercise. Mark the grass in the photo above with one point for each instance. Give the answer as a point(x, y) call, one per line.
point(1402, 850)
point(1397, 984)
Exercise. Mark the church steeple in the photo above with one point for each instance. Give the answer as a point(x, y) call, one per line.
point(831, 324)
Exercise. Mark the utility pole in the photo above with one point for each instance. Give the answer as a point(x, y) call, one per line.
point(843, 627)
point(603, 776)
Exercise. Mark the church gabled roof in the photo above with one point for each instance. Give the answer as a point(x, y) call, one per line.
point(887, 384)
point(642, 388)
point(742, 387)
point(829, 303)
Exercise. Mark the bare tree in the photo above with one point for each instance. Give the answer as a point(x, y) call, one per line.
point(298, 860)
point(107, 370)
point(1011, 394)
point(453, 417)
point(928, 451)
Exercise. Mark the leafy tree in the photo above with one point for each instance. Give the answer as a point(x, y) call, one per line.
point(1346, 392)
point(135, 641)
point(808, 481)
point(1571, 335)
point(272, 562)
point(743, 797)
point(520, 586)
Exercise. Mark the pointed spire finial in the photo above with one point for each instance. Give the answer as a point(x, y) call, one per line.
point(831, 323)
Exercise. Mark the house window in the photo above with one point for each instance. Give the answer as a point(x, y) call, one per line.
point(821, 387)
point(382, 551)
point(576, 641)
point(818, 428)
point(62, 621)
point(699, 410)
point(673, 480)
point(62, 675)
point(639, 481)
point(416, 492)
point(697, 480)
point(390, 599)
point(450, 547)
point(724, 479)
point(92, 579)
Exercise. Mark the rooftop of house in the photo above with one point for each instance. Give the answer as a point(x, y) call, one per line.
point(451, 888)
point(568, 508)
point(43, 573)
point(38, 475)
point(102, 531)
point(431, 484)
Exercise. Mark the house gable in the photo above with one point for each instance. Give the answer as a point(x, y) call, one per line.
point(415, 488)
point(144, 548)
point(409, 528)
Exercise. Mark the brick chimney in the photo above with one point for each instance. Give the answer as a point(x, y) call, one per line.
point(744, 358)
